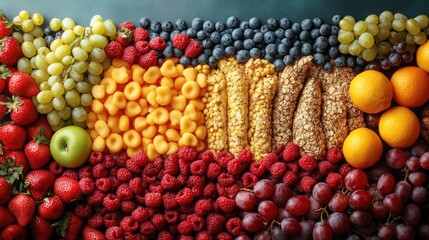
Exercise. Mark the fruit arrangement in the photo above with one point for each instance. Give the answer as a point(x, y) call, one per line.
point(211, 130)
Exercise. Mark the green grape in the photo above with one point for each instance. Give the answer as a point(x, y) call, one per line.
point(44, 86)
point(346, 25)
point(345, 36)
point(372, 28)
point(57, 89)
point(86, 45)
point(355, 48)
point(369, 54)
point(97, 55)
point(94, 79)
point(420, 38)
point(372, 18)
point(80, 66)
point(33, 63)
point(350, 18)
point(58, 103)
point(79, 114)
point(386, 16)
point(68, 36)
point(409, 39)
point(110, 28)
point(40, 76)
point(69, 84)
point(359, 27)
point(62, 51)
point(23, 65)
point(39, 42)
point(37, 32)
point(28, 49)
point(343, 48)
point(366, 40)
point(65, 113)
point(59, 126)
point(53, 118)
point(398, 25)
point(55, 69)
point(67, 24)
point(98, 28)
point(18, 36)
point(79, 124)
point(79, 54)
point(106, 63)
point(55, 24)
point(383, 48)
point(86, 99)
point(77, 77)
point(41, 62)
point(95, 68)
point(44, 96)
point(422, 20)
point(98, 40)
point(412, 26)
point(72, 98)
point(54, 79)
point(27, 25)
point(44, 108)
point(55, 44)
point(78, 30)
point(396, 37)
point(83, 87)
point(43, 51)
point(96, 18)
point(37, 19)
point(400, 16)
point(28, 37)
point(426, 30)
point(16, 20)
point(67, 60)
point(24, 15)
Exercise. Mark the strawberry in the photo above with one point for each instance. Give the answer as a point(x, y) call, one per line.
point(37, 151)
point(10, 51)
point(193, 49)
point(39, 182)
point(140, 34)
point(23, 208)
point(5, 189)
point(130, 55)
point(13, 232)
point(90, 233)
point(22, 111)
point(23, 84)
point(41, 228)
point(180, 41)
point(127, 25)
point(5, 74)
point(37, 126)
point(114, 50)
point(6, 27)
point(12, 136)
point(148, 59)
point(67, 189)
point(70, 226)
point(7, 78)
point(6, 216)
point(4, 101)
point(51, 208)
point(19, 159)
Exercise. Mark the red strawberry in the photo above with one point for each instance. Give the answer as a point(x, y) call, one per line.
point(5, 74)
point(23, 84)
point(67, 189)
point(193, 49)
point(37, 126)
point(142, 47)
point(22, 111)
point(180, 41)
point(6, 216)
point(41, 229)
point(6, 80)
point(51, 208)
point(19, 159)
point(5, 189)
point(90, 233)
point(39, 182)
point(157, 43)
point(140, 34)
point(10, 51)
point(114, 50)
point(4, 101)
point(148, 59)
point(130, 55)
point(70, 226)
point(12, 136)
point(13, 232)
point(6, 27)
point(23, 208)
point(37, 151)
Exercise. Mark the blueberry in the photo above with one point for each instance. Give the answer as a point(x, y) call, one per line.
point(295, 52)
point(285, 23)
point(244, 25)
point(220, 26)
point(287, 42)
point(165, 35)
point(208, 51)
point(333, 40)
point(264, 29)
point(153, 35)
point(181, 25)
point(47, 30)
point(279, 64)
point(168, 51)
point(272, 23)
point(306, 49)
point(325, 29)
point(218, 53)
point(197, 23)
point(155, 26)
point(351, 61)
point(201, 35)
point(304, 35)
point(237, 34)
point(248, 44)
point(358, 69)
point(296, 27)
point(144, 22)
point(255, 53)
point(174, 32)
point(212, 62)
point(269, 37)
point(306, 24)
point(328, 67)
point(232, 22)
point(167, 26)
point(289, 33)
point(258, 37)
point(282, 49)
point(288, 59)
point(178, 52)
point(269, 57)
point(229, 51)
point(254, 23)
point(227, 31)
point(207, 43)
point(242, 56)
point(271, 49)
point(248, 33)
point(334, 30)
point(280, 33)
point(315, 32)
point(203, 58)
point(333, 52)
point(322, 42)
point(238, 44)
point(317, 22)
point(194, 62)
point(215, 37)
point(226, 40)
point(340, 61)
point(297, 44)
point(49, 39)
point(360, 61)
point(319, 59)
point(336, 19)
point(208, 26)
point(191, 32)
point(59, 33)
point(185, 61)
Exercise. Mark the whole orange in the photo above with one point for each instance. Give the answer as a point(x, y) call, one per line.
point(371, 91)
point(399, 127)
point(422, 56)
point(410, 86)
point(362, 148)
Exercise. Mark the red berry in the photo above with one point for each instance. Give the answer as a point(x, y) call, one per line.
point(180, 41)
point(290, 152)
point(157, 43)
point(193, 49)
point(307, 163)
point(148, 59)
point(334, 155)
point(114, 50)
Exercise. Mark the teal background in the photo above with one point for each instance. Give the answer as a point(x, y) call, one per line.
point(216, 10)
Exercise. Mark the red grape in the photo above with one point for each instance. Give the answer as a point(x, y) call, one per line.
point(268, 210)
point(264, 189)
point(306, 230)
point(298, 205)
point(262, 235)
point(419, 195)
point(424, 161)
point(290, 226)
point(403, 190)
point(253, 222)
point(411, 214)
point(282, 214)
point(395, 158)
point(417, 178)
point(339, 202)
point(245, 200)
point(419, 148)
point(423, 231)
point(386, 231)
point(413, 164)
point(322, 231)
point(386, 183)
point(322, 192)
point(339, 222)
point(281, 194)
point(360, 219)
point(314, 211)
point(393, 204)
point(405, 232)
point(277, 233)
point(378, 211)
point(356, 179)
point(360, 200)
point(372, 120)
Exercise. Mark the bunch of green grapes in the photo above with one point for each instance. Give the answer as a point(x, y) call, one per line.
point(67, 69)
point(374, 37)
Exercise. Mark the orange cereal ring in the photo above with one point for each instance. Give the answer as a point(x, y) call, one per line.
point(132, 138)
point(190, 90)
point(160, 115)
point(169, 69)
point(114, 142)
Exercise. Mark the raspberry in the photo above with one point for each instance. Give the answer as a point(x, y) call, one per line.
point(185, 196)
point(55, 168)
point(344, 169)
point(203, 207)
point(223, 157)
point(169, 182)
point(221, 190)
point(196, 181)
point(140, 214)
point(127, 25)
point(233, 190)
point(225, 179)
point(213, 170)
point(157, 43)
point(226, 236)
point(326, 167)
point(207, 156)
point(278, 169)
point(124, 192)
point(86, 185)
point(335, 181)
point(129, 224)
point(95, 198)
point(150, 170)
point(156, 187)
point(114, 50)
point(293, 166)
point(85, 171)
point(215, 223)
point(124, 38)
point(289, 178)
point(290, 152)
point(140, 34)
point(96, 157)
point(249, 180)
point(307, 163)
point(187, 154)
point(83, 210)
point(137, 185)
point(334, 155)
point(108, 161)
point(130, 55)
point(123, 174)
point(165, 235)
point(71, 173)
point(137, 162)
point(148, 59)
point(158, 221)
point(269, 160)
point(114, 232)
point(307, 183)
point(182, 179)
point(234, 226)
point(103, 184)
point(111, 202)
point(209, 190)
point(225, 204)
point(95, 221)
point(147, 228)
point(171, 165)
point(99, 171)
point(193, 49)
point(184, 167)
point(185, 227)
point(115, 182)
point(196, 221)
point(180, 41)
point(257, 168)
point(153, 200)
point(204, 235)
point(171, 216)
point(234, 167)
point(158, 163)
point(128, 206)
point(245, 156)
point(198, 167)
point(121, 158)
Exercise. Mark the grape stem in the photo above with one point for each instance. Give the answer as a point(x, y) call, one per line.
point(407, 173)
point(323, 209)
point(246, 189)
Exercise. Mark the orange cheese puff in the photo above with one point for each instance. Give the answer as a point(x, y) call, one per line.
point(198, 104)
point(201, 132)
point(178, 102)
point(98, 91)
point(173, 147)
point(102, 128)
point(132, 91)
point(114, 142)
point(121, 74)
point(175, 117)
point(91, 119)
point(190, 89)
point(187, 125)
point(137, 73)
point(124, 123)
point(97, 106)
point(160, 115)
point(143, 105)
point(139, 123)
point(109, 85)
point(169, 69)
point(161, 146)
point(147, 89)
point(152, 154)
point(132, 139)
point(119, 100)
point(163, 95)
point(191, 112)
point(178, 83)
point(188, 139)
point(132, 109)
point(113, 123)
point(162, 128)
point(201, 80)
point(132, 151)
point(190, 73)
point(166, 81)
point(98, 144)
point(149, 132)
point(151, 98)
point(118, 62)
point(152, 74)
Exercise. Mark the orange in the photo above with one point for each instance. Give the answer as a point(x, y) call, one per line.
point(362, 148)
point(399, 127)
point(422, 56)
point(410, 86)
point(371, 91)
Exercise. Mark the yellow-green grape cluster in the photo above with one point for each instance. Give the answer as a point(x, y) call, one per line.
point(67, 69)
point(373, 37)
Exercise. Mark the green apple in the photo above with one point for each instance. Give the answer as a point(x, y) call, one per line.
point(71, 146)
